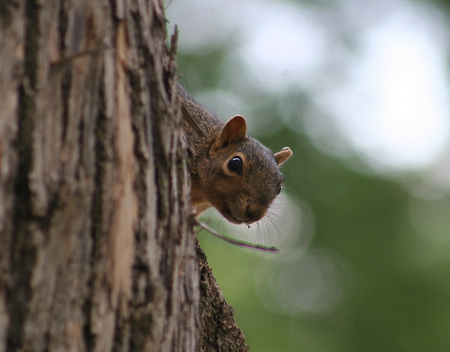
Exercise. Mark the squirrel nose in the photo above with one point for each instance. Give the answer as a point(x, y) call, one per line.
point(253, 214)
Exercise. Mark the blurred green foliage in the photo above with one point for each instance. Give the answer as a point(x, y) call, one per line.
point(395, 282)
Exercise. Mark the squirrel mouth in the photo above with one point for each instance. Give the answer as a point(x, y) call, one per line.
point(226, 212)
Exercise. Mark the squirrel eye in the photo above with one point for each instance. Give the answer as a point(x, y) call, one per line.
point(279, 190)
point(235, 165)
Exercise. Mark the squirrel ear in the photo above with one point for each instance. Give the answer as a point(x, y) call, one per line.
point(234, 130)
point(282, 155)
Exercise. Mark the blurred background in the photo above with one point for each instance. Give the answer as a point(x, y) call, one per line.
point(359, 90)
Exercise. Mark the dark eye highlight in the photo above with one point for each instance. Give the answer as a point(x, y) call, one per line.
point(235, 165)
point(279, 190)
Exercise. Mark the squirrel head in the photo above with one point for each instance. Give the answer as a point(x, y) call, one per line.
point(241, 177)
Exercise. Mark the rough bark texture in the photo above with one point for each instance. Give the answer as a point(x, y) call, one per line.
point(219, 331)
point(96, 253)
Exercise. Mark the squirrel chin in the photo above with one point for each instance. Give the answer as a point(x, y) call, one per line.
point(227, 214)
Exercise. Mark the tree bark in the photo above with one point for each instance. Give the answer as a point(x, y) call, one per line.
point(219, 331)
point(96, 248)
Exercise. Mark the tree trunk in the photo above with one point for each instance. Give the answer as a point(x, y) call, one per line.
point(96, 251)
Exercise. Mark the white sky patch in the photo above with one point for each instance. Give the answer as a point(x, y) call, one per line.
point(395, 108)
point(283, 46)
point(279, 42)
point(409, 76)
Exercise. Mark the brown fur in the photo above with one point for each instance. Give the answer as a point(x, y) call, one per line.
point(240, 198)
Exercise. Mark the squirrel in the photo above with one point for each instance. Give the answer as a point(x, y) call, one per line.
point(229, 170)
